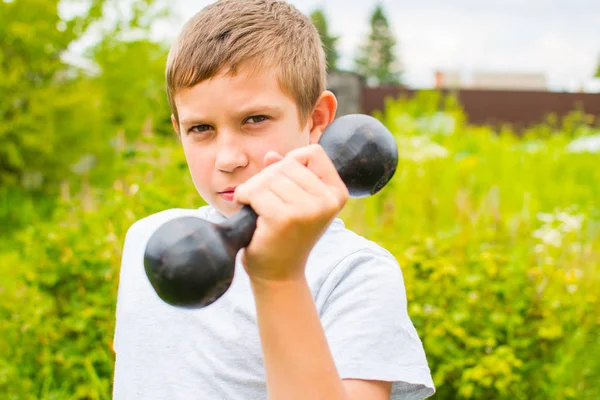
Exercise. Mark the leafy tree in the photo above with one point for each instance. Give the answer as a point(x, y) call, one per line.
point(319, 20)
point(598, 70)
point(38, 88)
point(131, 81)
point(131, 71)
point(376, 60)
point(54, 112)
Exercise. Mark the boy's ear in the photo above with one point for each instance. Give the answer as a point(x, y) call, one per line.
point(323, 114)
point(175, 125)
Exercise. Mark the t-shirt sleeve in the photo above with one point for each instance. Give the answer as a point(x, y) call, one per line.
point(367, 325)
point(125, 256)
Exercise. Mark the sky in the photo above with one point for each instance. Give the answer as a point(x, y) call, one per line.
point(559, 38)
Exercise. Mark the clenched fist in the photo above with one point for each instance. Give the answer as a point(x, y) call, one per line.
point(295, 197)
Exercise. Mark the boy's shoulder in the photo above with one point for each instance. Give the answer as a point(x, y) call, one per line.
point(343, 255)
point(160, 217)
point(340, 242)
point(146, 225)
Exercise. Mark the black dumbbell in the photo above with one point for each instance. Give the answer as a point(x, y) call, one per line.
point(190, 262)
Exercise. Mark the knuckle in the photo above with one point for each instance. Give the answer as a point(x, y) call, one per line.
point(288, 162)
point(252, 187)
point(298, 152)
point(316, 147)
point(246, 195)
point(240, 192)
point(335, 204)
point(268, 175)
point(341, 203)
point(316, 213)
point(268, 171)
point(319, 211)
point(344, 195)
point(317, 150)
point(290, 218)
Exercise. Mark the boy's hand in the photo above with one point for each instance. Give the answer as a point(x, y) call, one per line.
point(296, 197)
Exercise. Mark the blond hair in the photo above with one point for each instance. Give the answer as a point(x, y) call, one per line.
point(255, 33)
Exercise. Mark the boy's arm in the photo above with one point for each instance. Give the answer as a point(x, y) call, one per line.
point(296, 197)
point(298, 361)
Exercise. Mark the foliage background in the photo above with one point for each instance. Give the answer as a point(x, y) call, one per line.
point(498, 234)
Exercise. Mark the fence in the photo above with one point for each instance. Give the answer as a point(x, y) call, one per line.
point(519, 108)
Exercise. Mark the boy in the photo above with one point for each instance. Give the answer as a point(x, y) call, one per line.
point(314, 310)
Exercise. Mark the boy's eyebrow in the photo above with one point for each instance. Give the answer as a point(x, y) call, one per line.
point(256, 109)
point(243, 112)
point(191, 121)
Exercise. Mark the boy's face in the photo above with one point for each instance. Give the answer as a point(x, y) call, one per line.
point(228, 123)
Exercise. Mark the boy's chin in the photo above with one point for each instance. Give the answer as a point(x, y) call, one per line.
point(226, 209)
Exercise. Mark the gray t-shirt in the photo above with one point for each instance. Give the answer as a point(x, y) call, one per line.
point(164, 352)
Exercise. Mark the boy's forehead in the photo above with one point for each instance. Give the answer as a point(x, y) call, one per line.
point(193, 107)
point(238, 93)
point(239, 82)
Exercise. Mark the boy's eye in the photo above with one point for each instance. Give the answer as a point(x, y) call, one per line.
point(200, 128)
point(255, 119)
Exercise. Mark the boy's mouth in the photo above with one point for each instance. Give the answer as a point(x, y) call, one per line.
point(227, 194)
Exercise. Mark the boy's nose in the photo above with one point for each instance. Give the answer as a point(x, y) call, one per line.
point(230, 154)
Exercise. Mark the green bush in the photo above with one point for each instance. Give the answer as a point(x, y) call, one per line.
point(58, 302)
point(499, 240)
